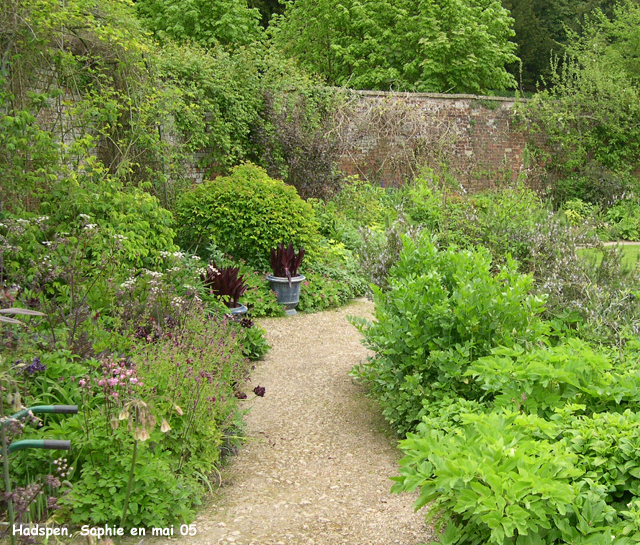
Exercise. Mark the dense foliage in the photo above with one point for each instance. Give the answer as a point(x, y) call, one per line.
point(541, 32)
point(495, 341)
point(452, 46)
point(443, 310)
point(517, 392)
point(227, 22)
point(588, 122)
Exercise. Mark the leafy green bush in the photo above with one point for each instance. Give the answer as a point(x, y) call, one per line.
point(333, 277)
point(548, 456)
point(444, 309)
point(259, 298)
point(365, 203)
point(227, 22)
point(127, 215)
point(493, 480)
point(252, 339)
point(98, 494)
point(244, 214)
point(544, 381)
point(623, 219)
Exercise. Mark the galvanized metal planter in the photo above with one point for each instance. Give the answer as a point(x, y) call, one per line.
point(287, 295)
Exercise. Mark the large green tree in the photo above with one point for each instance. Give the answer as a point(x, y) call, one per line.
point(590, 117)
point(208, 22)
point(542, 28)
point(413, 45)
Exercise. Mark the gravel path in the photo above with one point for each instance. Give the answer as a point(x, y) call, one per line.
point(316, 467)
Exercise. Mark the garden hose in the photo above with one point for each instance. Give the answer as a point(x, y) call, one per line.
point(49, 444)
point(44, 409)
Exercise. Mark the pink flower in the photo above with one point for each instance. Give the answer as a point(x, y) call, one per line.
point(101, 382)
point(133, 380)
point(112, 381)
point(82, 382)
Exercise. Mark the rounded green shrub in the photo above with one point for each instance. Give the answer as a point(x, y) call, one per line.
point(244, 215)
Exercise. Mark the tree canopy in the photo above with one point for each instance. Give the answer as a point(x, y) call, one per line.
point(542, 29)
point(412, 45)
point(226, 22)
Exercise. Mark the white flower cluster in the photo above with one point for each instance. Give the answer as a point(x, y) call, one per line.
point(178, 255)
point(119, 237)
point(178, 302)
point(129, 283)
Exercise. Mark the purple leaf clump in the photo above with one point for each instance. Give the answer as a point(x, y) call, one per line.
point(224, 283)
point(285, 261)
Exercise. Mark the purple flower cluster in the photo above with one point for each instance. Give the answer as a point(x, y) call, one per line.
point(36, 366)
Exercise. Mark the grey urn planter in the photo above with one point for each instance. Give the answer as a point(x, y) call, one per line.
point(287, 295)
point(238, 312)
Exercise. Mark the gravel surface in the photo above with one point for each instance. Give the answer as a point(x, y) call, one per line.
point(316, 466)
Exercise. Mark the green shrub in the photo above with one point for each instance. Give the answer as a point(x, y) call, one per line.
point(244, 214)
point(623, 219)
point(158, 497)
point(252, 339)
point(548, 456)
point(587, 120)
point(128, 215)
point(544, 381)
point(333, 277)
point(493, 479)
point(365, 203)
point(444, 309)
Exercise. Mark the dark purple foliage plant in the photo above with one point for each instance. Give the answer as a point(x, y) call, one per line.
point(224, 283)
point(285, 261)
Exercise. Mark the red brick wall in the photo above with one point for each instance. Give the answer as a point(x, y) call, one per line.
point(389, 137)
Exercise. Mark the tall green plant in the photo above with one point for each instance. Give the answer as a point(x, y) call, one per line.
point(244, 214)
point(209, 23)
point(444, 310)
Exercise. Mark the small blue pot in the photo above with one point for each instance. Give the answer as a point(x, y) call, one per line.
point(238, 312)
point(288, 295)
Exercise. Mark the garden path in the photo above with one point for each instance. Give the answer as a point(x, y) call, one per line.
point(315, 469)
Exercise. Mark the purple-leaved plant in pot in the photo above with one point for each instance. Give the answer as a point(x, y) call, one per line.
point(285, 280)
point(226, 285)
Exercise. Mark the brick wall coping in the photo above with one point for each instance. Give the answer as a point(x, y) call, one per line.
point(405, 94)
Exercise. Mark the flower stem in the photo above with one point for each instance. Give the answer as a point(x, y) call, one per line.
point(126, 497)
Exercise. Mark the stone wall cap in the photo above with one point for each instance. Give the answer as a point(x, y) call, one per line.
point(406, 94)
